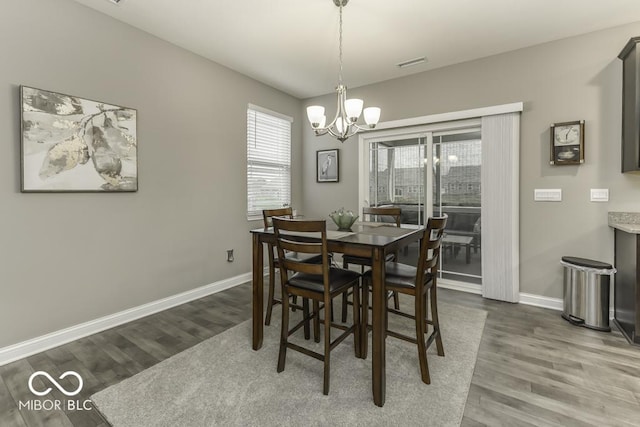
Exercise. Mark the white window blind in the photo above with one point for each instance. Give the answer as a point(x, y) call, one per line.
point(268, 161)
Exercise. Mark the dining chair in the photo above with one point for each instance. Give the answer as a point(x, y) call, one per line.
point(319, 282)
point(421, 283)
point(373, 214)
point(267, 215)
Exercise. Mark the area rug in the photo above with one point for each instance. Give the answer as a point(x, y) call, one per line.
point(223, 382)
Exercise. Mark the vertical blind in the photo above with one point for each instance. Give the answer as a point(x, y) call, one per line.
point(500, 207)
point(268, 162)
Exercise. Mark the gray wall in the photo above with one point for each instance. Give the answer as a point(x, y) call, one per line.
point(566, 80)
point(70, 258)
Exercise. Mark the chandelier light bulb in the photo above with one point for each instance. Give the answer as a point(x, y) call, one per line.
point(353, 108)
point(372, 116)
point(315, 113)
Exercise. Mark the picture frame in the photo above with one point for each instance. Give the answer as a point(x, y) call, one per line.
point(328, 165)
point(73, 144)
point(567, 143)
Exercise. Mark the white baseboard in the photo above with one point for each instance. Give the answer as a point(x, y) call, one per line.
point(45, 342)
point(541, 301)
point(527, 299)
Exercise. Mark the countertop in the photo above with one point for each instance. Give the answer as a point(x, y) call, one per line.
point(625, 221)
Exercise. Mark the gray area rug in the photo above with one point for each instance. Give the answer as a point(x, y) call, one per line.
point(222, 381)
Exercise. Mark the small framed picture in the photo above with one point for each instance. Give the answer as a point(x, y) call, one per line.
point(327, 165)
point(567, 143)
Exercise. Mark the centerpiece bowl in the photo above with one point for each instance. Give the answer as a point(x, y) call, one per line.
point(343, 219)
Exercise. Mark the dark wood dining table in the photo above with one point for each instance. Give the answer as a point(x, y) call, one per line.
point(365, 240)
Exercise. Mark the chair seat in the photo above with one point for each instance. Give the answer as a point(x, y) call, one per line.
point(339, 279)
point(401, 276)
point(358, 260)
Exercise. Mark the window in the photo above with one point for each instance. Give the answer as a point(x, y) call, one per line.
point(268, 161)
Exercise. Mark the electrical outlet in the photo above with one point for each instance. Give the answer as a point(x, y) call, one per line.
point(229, 255)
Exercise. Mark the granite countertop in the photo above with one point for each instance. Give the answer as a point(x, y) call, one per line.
point(625, 221)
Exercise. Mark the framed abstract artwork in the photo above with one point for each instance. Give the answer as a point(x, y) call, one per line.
point(327, 166)
point(567, 143)
point(72, 144)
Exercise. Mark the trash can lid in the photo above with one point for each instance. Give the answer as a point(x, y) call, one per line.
point(583, 262)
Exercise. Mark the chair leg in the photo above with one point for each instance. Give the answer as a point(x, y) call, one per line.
point(327, 344)
point(316, 321)
point(345, 297)
point(295, 301)
point(396, 300)
point(436, 323)
point(364, 331)
point(284, 331)
point(305, 313)
point(356, 318)
point(272, 279)
point(386, 314)
point(420, 331)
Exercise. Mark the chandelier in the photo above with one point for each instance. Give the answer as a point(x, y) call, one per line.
point(348, 111)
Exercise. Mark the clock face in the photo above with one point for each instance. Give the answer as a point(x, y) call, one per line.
point(567, 135)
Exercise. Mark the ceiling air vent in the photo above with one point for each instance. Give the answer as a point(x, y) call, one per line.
point(410, 62)
point(115, 1)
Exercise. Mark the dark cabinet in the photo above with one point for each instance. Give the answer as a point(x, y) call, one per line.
point(627, 286)
point(630, 56)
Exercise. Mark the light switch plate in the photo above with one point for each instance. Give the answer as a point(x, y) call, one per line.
point(599, 194)
point(547, 195)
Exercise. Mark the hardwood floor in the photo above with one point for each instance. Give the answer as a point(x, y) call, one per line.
point(533, 368)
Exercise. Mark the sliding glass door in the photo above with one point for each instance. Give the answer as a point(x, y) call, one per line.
point(431, 173)
point(397, 178)
point(457, 161)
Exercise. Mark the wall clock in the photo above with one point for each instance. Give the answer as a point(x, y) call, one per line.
point(567, 143)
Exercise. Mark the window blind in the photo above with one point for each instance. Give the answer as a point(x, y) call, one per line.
point(268, 162)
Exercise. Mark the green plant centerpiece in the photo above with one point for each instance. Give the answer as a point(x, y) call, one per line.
point(343, 219)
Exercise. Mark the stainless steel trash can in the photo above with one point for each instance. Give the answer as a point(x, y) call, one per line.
point(586, 292)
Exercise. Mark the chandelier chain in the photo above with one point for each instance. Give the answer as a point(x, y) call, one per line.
point(340, 43)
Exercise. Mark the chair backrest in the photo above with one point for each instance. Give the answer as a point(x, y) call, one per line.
point(430, 248)
point(267, 214)
point(377, 212)
point(303, 237)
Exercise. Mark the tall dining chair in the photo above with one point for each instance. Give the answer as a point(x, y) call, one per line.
point(420, 283)
point(267, 215)
point(318, 282)
point(374, 214)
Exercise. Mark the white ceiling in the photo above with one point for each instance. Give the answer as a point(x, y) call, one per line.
point(293, 45)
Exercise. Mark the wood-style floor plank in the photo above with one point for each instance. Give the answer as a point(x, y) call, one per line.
point(16, 378)
point(533, 368)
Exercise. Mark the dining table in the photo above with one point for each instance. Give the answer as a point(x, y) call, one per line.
point(373, 240)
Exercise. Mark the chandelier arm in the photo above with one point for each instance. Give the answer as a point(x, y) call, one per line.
point(331, 132)
point(351, 133)
point(361, 128)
